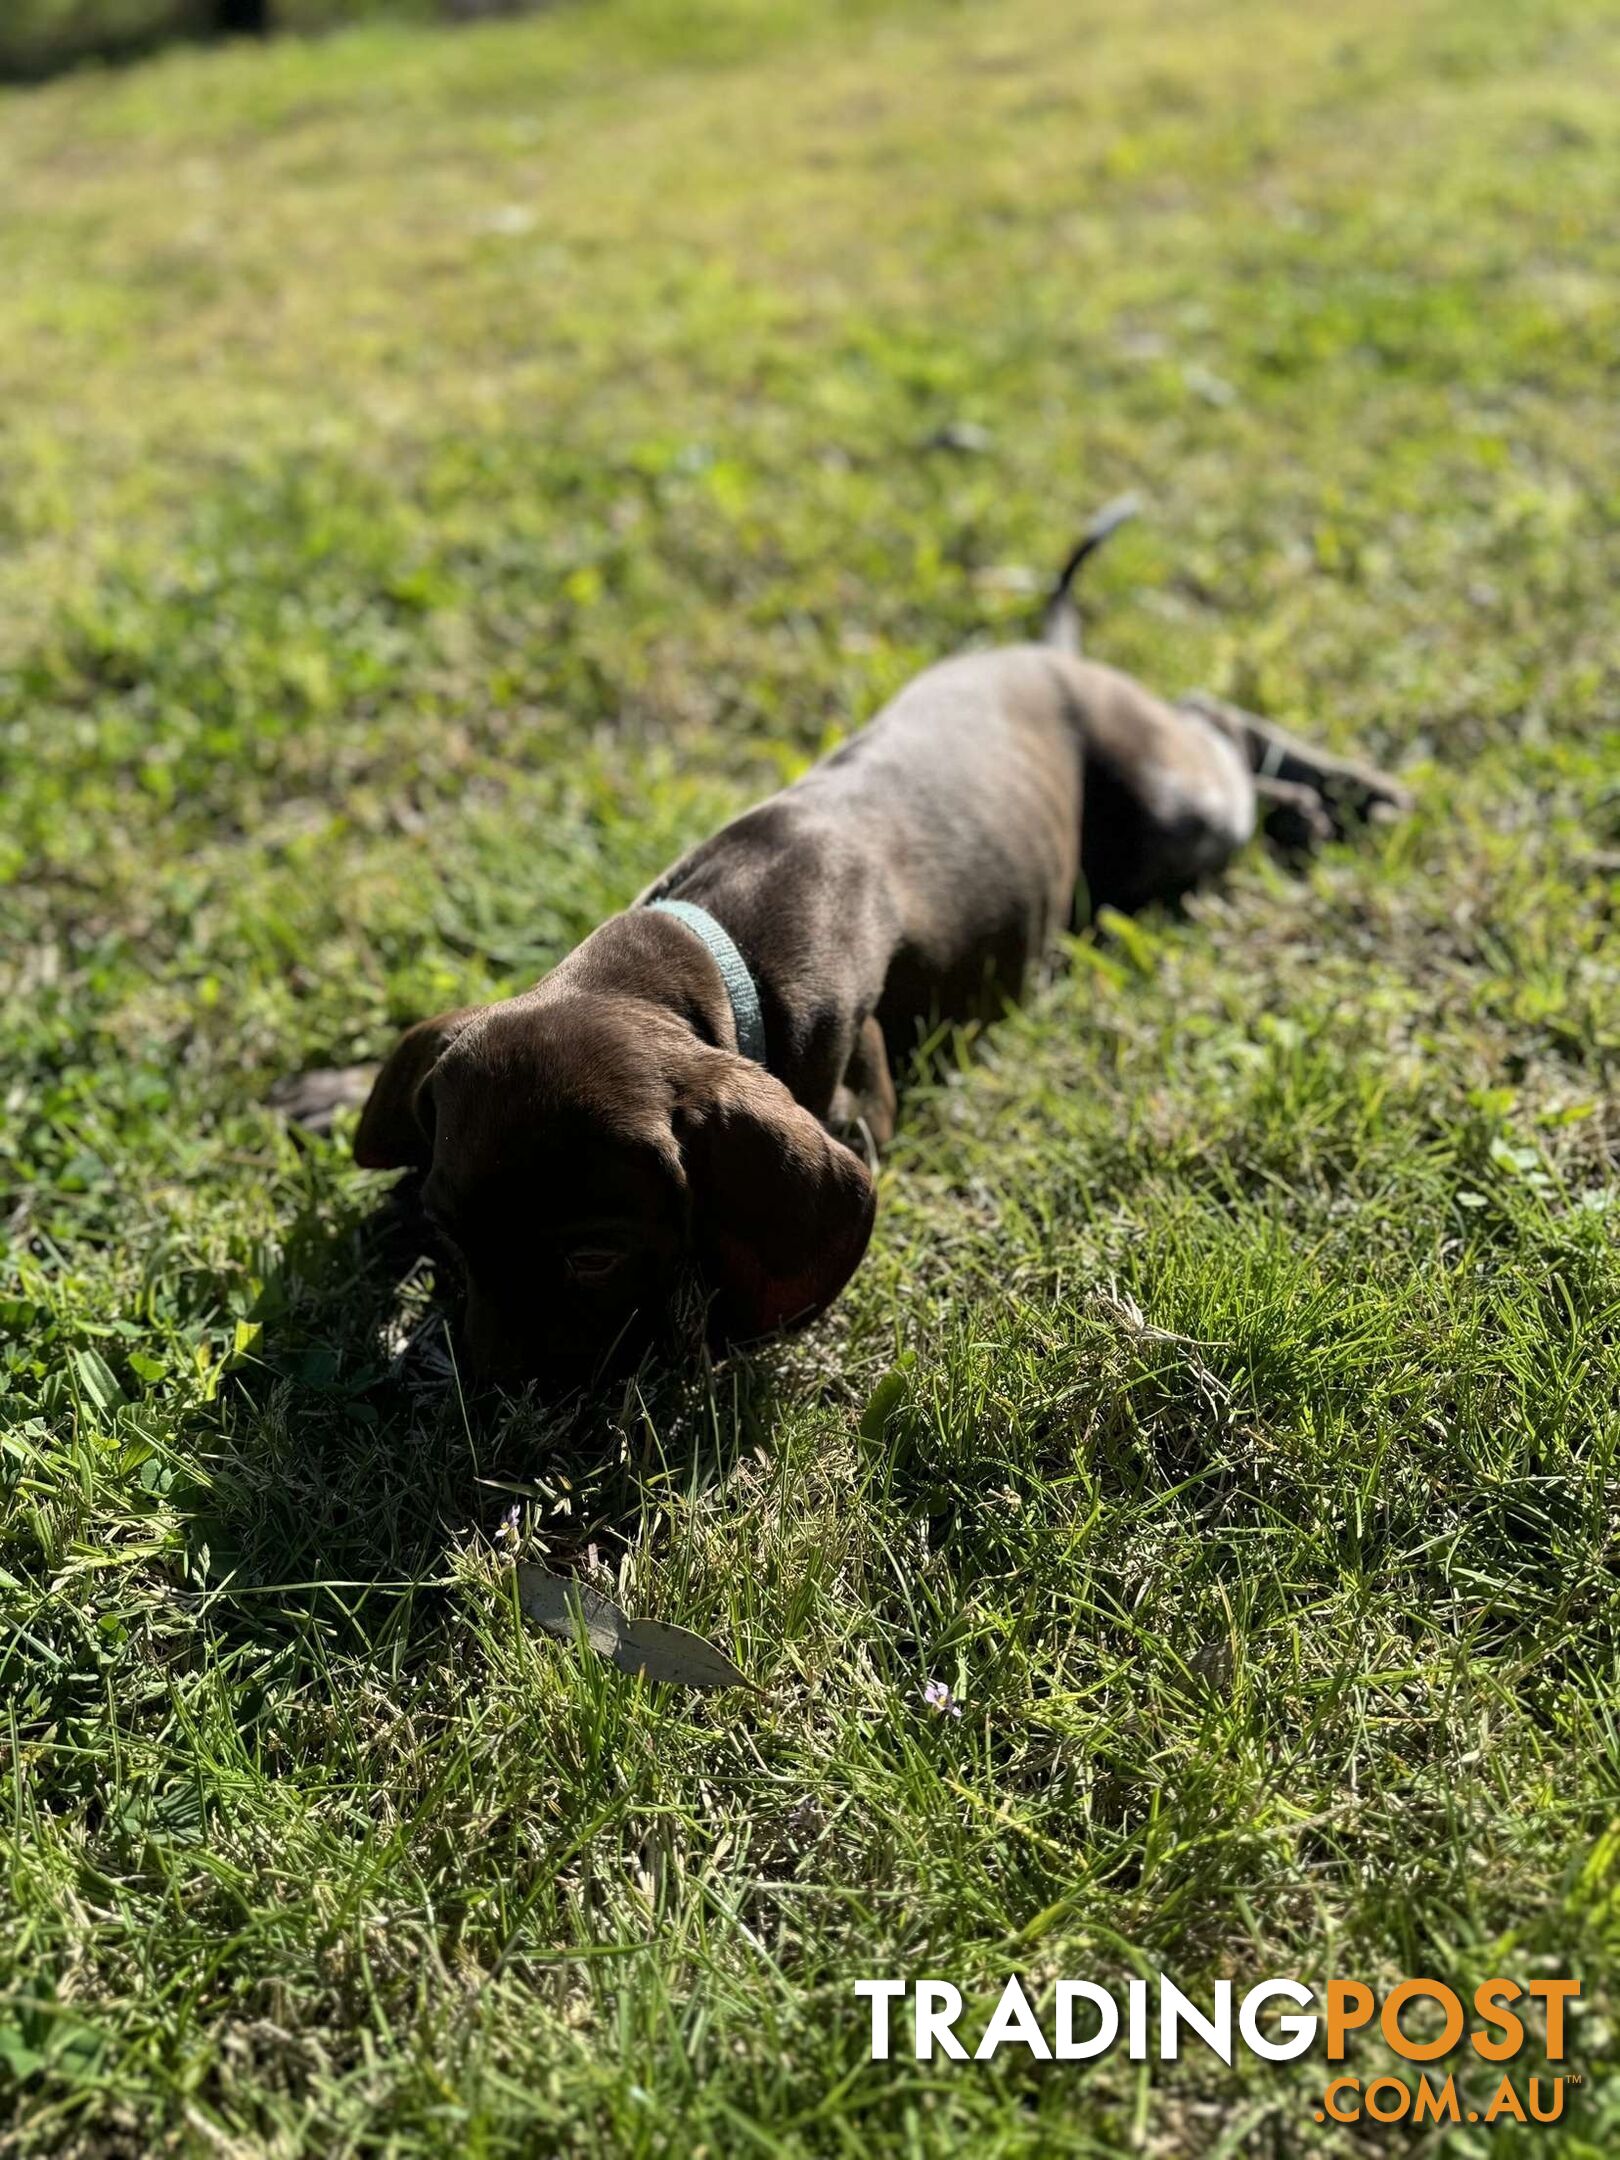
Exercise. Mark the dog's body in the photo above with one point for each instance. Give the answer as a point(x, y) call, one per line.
point(586, 1138)
point(917, 873)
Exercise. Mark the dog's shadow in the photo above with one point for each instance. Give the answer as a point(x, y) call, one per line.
point(357, 1460)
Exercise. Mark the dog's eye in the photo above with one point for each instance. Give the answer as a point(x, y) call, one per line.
point(593, 1264)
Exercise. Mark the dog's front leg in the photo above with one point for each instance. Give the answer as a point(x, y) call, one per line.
point(864, 1102)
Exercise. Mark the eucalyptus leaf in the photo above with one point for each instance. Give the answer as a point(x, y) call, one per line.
point(670, 1653)
point(561, 1604)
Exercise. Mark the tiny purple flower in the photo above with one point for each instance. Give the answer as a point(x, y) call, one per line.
point(940, 1700)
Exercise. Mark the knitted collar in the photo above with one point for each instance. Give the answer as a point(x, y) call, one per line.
point(740, 985)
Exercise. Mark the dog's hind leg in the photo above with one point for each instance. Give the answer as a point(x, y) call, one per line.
point(1289, 773)
point(1168, 797)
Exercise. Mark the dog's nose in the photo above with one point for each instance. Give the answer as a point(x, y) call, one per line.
point(493, 1351)
point(504, 1352)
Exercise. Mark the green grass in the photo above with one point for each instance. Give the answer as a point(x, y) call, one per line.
point(442, 473)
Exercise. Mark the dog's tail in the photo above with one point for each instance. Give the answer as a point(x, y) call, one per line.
point(1060, 623)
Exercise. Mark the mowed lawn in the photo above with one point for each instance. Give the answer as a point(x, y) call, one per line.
point(441, 474)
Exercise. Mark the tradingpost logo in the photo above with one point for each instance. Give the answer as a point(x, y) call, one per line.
point(1275, 2020)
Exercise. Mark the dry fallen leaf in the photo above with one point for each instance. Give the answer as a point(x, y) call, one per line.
point(562, 1604)
point(313, 1099)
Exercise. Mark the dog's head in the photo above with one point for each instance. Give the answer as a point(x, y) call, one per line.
point(586, 1152)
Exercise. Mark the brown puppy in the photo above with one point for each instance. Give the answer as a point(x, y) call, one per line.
point(669, 1094)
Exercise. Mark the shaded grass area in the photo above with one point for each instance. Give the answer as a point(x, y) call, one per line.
point(440, 476)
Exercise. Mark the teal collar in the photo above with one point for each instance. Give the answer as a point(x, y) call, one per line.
point(740, 987)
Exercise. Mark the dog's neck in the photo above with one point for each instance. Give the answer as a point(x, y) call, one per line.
point(656, 960)
point(742, 991)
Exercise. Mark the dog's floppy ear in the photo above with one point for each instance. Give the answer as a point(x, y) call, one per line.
point(393, 1134)
point(780, 1210)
